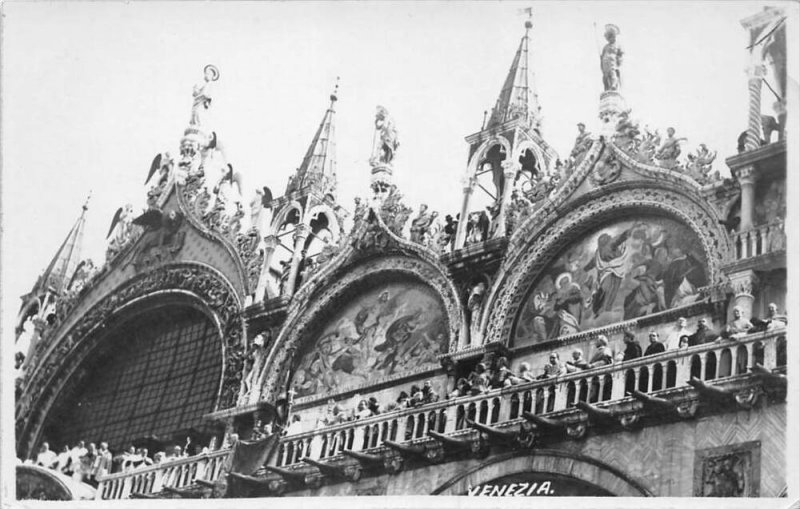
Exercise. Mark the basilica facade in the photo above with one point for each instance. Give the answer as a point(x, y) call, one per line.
point(612, 324)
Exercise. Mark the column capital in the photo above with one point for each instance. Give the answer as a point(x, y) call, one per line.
point(744, 283)
point(756, 71)
point(510, 167)
point(745, 175)
point(270, 242)
point(301, 231)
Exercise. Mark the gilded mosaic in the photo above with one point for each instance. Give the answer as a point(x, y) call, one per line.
point(386, 331)
point(619, 272)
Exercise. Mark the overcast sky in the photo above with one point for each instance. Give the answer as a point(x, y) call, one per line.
point(92, 91)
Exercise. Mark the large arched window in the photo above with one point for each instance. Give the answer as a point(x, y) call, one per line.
point(153, 378)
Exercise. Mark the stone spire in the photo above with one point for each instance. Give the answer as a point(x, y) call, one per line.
point(518, 97)
point(62, 267)
point(318, 169)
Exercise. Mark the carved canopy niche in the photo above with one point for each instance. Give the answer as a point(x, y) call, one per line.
point(622, 270)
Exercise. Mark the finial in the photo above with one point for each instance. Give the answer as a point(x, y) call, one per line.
point(334, 95)
point(528, 22)
point(86, 203)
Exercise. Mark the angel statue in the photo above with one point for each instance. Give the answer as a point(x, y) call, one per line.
point(386, 144)
point(120, 230)
point(611, 59)
point(202, 93)
point(229, 187)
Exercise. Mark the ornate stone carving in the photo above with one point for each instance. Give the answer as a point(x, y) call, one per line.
point(161, 244)
point(576, 431)
point(606, 170)
point(728, 471)
point(247, 245)
point(698, 166)
point(207, 286)
point(687, 409)
point(394, 212)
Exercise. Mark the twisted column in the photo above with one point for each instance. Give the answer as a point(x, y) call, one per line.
point(755, 74)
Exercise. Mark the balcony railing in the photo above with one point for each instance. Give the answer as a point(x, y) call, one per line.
point(647, 374)
point(179, 473)
point(761, 240)
point(500, 407)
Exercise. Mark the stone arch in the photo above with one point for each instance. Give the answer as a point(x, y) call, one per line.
point(346, 282)
point(481, 151)
point(548, 232)
point(548, 461)
point(193, 284)
point(279, 218)
point(331, 215)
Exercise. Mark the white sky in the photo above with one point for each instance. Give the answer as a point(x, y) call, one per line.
point(92, 91)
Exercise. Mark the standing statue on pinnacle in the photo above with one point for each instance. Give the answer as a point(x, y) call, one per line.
point(611, 59)
point(202, 93)
point(386, 138)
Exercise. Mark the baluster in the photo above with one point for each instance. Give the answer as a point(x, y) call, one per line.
point(618, 385)
point(770, 352)
point(452, 417)
point(561, 398)
point(650, 371)
point(753, 234)
point(125, 492)
point(358, 439)
point(158, 480)
point(316, 447)
point(505, 408)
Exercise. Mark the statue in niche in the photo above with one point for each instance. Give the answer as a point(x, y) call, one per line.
point(386, 138)
point(611, 60)
point(474, 303)
point(202, 93)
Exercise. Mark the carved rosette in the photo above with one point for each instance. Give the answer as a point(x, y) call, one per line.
point(543, 235)
point(205, 287)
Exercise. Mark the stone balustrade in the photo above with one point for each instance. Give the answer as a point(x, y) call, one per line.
point(650, 374)
point(500, 408)
point(178, 473)
point(761, 240)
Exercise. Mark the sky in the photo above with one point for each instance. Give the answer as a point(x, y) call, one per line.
point(92, 91)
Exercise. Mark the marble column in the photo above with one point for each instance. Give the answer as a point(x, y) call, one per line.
point(747, 185)
point(461, 231)
point(510, 170)
point(270, 243)
point(300, 236)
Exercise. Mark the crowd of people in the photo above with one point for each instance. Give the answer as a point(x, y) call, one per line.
point(88, 463)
